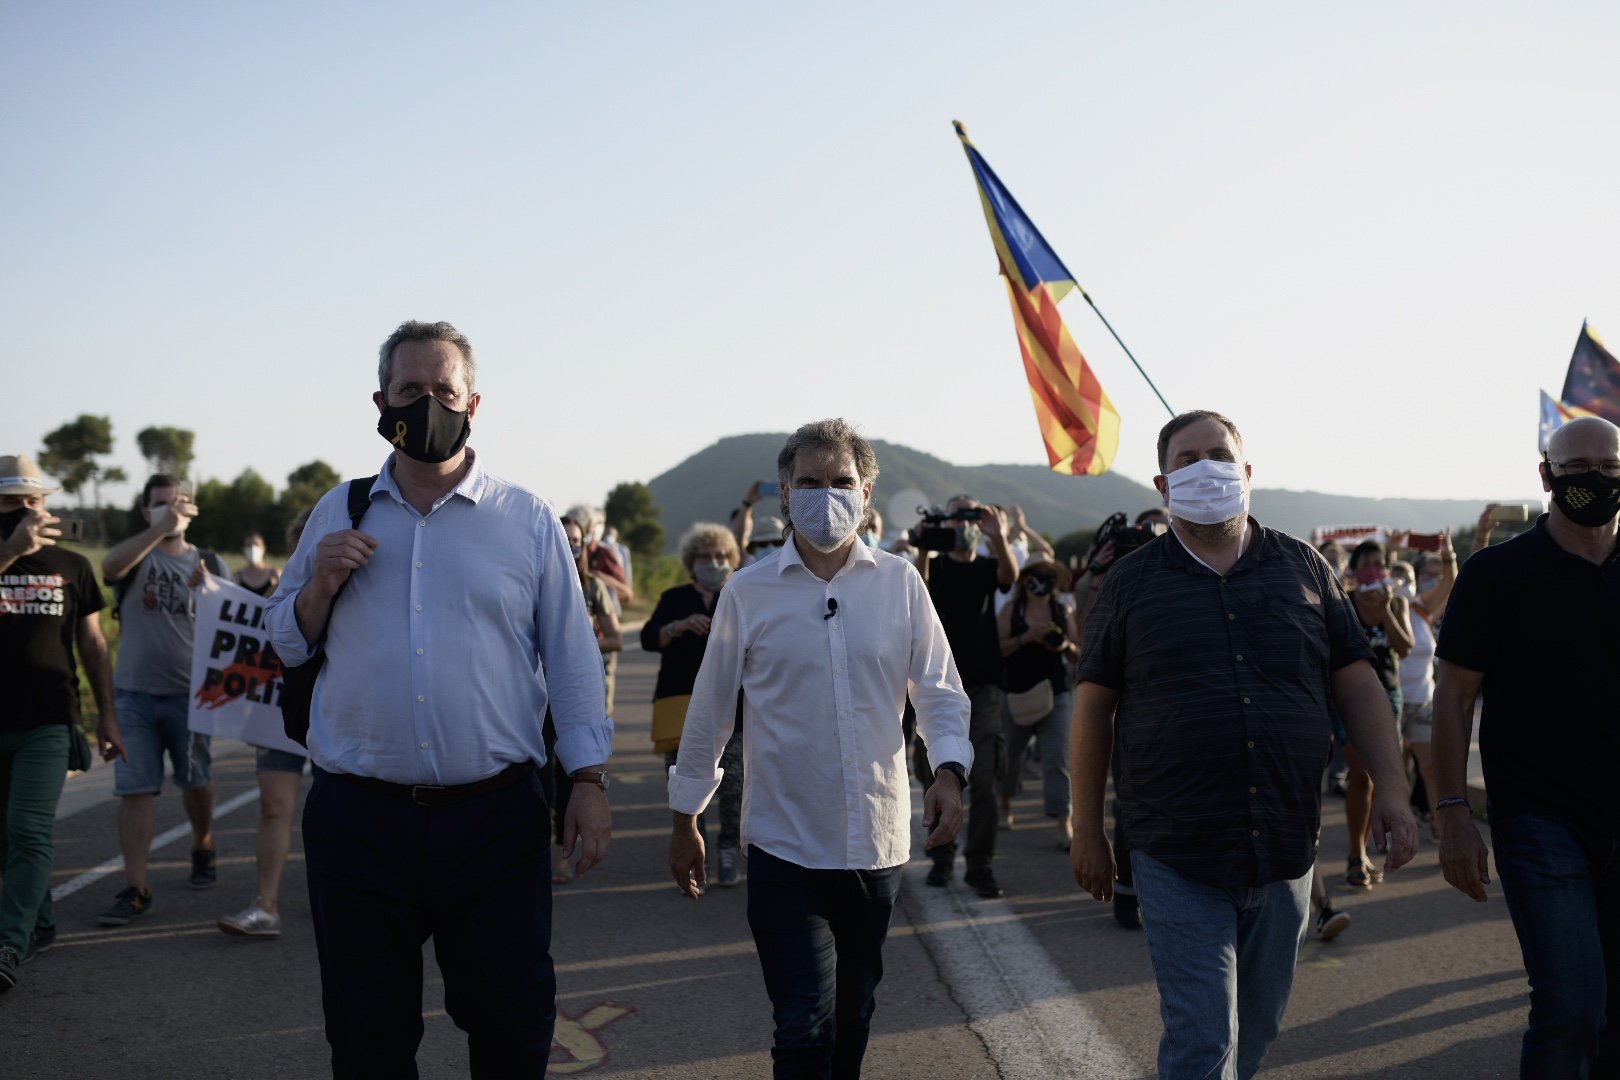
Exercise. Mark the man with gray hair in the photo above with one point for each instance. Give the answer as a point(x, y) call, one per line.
point(460, 622)
point(825, 640)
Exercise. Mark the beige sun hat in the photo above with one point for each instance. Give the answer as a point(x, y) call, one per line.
point(20, 476)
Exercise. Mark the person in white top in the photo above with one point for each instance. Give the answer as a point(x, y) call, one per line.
point(825, 640)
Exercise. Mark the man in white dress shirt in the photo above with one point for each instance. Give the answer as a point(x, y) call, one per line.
point(825, 641)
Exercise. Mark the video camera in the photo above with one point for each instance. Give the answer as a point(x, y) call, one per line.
point(934, 534)
point(1126, 537)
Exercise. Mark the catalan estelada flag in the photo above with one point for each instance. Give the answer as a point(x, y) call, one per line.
point(1554, 415)
point(1593, 381)
point(1077, 421)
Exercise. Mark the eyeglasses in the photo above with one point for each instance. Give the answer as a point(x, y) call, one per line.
point(1581, 465)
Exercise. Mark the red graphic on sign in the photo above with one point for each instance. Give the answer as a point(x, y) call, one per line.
point(249, 681)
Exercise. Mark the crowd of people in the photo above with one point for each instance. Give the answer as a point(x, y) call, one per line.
point(811, 668)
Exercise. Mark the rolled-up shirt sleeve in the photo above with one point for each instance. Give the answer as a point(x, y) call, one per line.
point(936, 689)
point(711, 716)
point(570, 658)
point(280, 614)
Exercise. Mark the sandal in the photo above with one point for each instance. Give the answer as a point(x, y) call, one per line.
point(1362, 874)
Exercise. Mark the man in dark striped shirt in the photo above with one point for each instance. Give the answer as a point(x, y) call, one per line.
point(1214, 654)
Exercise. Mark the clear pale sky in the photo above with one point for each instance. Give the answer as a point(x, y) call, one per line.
point(1369, 234)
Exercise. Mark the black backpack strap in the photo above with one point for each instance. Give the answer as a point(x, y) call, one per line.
point(359, 499)
point(298, 681)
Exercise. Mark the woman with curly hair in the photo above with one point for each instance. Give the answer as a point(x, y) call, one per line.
point(678, 629)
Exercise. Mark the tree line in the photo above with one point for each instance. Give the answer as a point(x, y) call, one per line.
point(74, 453)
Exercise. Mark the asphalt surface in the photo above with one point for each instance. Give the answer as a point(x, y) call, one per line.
point(1424, 983)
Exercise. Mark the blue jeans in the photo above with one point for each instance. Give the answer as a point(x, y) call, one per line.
point(1562, 884)
point(384, 876)
point(1224, 962)
point(1053, 732)
point(820, 937)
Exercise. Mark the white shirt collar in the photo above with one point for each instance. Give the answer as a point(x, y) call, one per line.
point(790, 557)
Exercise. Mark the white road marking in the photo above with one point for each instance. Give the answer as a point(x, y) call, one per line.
point(162, 840)
point(1017, 1001)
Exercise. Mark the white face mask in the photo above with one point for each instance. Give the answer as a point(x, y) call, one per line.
point(826, 517)
point(1208, 492)
point(253, 552)
point(156, 512)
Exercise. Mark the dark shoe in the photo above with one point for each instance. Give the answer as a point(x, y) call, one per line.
point(8, 968)
point(939, 876)
point(983, 882)
point(1127, 912)
point(203, 875)
point(1330, 924)
point(130, 904)
point(44, 937)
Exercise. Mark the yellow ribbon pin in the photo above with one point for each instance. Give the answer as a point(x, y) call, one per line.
point(399, 434)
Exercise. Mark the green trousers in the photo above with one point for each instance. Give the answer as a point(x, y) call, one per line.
point(33, 766)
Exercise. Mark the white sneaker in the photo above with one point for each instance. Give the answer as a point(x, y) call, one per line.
point(254, 922)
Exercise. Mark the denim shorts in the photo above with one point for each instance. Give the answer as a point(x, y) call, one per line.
point(278, 761)
point(152, 724)
point(1341, 734)
point(1417, 722)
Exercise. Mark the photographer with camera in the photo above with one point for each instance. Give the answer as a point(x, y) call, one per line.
point(963, 585)
point(1038, 633)
point(1115, 540)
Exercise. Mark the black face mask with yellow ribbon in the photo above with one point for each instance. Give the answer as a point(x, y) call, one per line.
point(1589, 499)
point(426, 429)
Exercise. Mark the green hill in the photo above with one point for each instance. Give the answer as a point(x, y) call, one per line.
point(708, 485)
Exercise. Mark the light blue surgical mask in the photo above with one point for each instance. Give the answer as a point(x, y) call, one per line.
point(711, 575)
point(825, 516)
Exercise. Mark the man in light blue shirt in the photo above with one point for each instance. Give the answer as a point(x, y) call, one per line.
point(452, 620)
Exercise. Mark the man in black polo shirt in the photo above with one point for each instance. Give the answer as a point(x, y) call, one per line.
point(1535, 624)
point(1218, 645)
point(964, 585)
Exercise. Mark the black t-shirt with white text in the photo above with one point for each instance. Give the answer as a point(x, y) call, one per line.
point(42, 598)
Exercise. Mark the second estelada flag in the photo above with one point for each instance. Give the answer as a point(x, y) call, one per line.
point(1077, 421)
point(1593, 380)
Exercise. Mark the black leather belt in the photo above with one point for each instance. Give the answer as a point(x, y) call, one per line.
point(439, 794)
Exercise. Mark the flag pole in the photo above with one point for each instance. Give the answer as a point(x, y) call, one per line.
point(967, 145)
point(1122, 345)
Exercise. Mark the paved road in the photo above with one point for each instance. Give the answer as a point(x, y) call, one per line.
point(1042, 984)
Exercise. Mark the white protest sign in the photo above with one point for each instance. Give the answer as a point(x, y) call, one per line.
point(235, 674)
